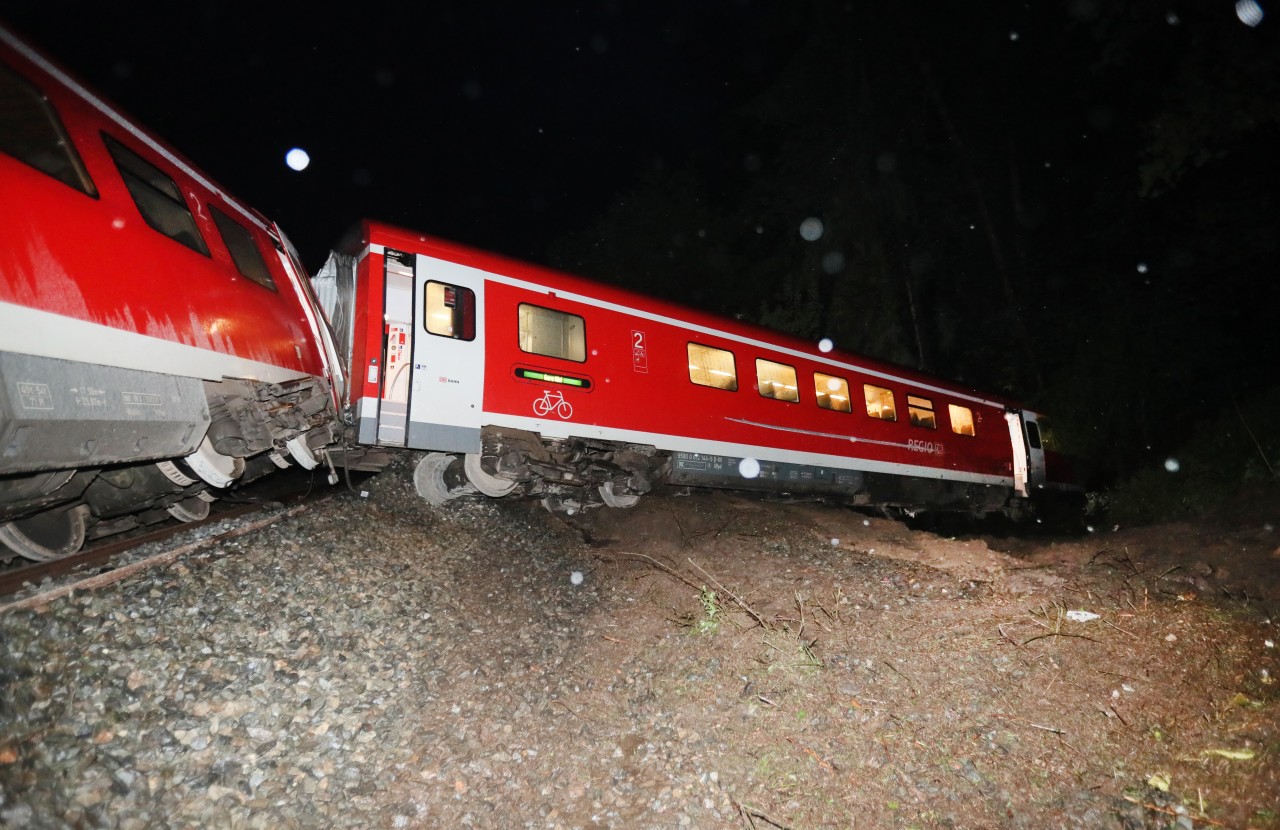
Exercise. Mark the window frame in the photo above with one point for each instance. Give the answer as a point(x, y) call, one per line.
point(893, 403)
point(563, 315)
point(920, 412)
point(952, 408)
point(149, 198)
point(220, 216)
point(785, 367)
point(733, 363)
point(467, 310)
point(71, 169)
point(823, 389)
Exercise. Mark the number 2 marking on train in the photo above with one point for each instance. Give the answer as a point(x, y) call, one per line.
point(639, 352)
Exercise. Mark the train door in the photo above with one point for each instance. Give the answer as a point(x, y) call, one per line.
point(397, 350)
point(1035, 451)
point(448, 358)
point(1028, 451)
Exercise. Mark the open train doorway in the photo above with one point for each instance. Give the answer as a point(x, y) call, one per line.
point(397, 350)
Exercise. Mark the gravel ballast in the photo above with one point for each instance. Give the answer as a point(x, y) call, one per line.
point(702, 660)
point(274, 680)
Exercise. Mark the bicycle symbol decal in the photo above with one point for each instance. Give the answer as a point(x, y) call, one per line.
point(552, 402)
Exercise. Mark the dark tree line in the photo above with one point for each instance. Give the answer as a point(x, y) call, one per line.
point(1074, 205)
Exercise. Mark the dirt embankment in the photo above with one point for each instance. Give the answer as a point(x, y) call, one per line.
point(850, 671)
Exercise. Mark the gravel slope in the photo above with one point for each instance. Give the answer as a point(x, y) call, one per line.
point(705, 661)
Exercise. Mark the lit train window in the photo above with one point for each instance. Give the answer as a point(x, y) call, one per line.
point(921, 412)
point(244, 251)
point(961, 419)
point(712, 367)
point(450, 311)
point(832, 392)
point(157, 196)
point(777, 381)
point(552, 333)
point(879, 402)
point(31, 132)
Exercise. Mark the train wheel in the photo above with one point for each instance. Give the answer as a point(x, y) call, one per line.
point(194, 509)
point(561, 504)
point(486, 483)
point(431, 478)
point(612, 499)
point(46, 536)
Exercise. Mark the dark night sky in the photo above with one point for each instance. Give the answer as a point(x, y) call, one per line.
point(497, 124)
point(509, 124)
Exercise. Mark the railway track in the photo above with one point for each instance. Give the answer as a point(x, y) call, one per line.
point(30, 585)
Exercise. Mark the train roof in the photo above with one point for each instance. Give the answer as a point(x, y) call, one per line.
point(383, 233)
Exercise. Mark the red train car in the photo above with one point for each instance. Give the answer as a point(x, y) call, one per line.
point(519, 378)
point(158, 339)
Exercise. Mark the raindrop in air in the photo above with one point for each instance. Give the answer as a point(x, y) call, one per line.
point(1172, 465)
point(825, 344)
point(749, 468)
point(811, 229)
point(297, 159)
point(1142, 267)
point(1249, 12)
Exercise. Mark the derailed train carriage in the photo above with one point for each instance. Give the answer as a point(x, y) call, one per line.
point(520, 379)
point(161, 346)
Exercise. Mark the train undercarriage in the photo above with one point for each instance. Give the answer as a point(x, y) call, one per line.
point(237, 432)
point(575, 474)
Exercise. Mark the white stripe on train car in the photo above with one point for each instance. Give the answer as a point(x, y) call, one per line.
point(42, 333)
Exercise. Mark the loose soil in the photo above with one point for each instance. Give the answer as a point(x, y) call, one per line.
point(822, 667)
point(704, 659)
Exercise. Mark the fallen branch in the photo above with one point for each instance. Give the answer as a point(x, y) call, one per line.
point(750, 813)
point(1149, 806)
point(737, 599)
point(1055, 730)
point(667, 569)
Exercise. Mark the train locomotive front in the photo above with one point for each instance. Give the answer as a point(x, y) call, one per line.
point(159, 342)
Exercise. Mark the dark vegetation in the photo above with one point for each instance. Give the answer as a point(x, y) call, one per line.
point(1078, 210)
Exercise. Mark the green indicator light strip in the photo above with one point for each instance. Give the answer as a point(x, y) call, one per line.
point(529, 374)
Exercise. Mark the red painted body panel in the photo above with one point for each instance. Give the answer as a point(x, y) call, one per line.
point(94, 258)
point(661, 400)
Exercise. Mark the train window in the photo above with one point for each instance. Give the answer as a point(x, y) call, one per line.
point(31, 132)
point(832, 392)
point(879, 402)
point(552, 333)
point(712, 367)
point(961, 419)
point(921, 412)
point(244, 251)
point(777, 381)
point(450, 311)
point(157, 196)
